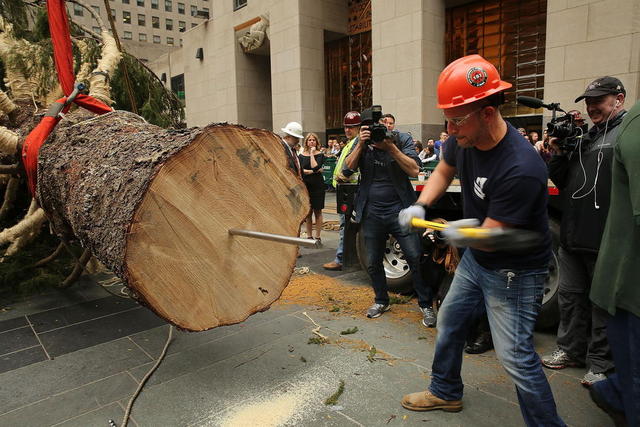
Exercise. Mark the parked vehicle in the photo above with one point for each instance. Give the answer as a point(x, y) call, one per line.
point(449, 207)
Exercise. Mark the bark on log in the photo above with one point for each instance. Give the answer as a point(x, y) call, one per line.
point(155, 206)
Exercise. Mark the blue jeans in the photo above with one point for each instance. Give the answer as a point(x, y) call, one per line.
point(512, 300)
point(376, 231)
point(340, 248)
point(622, 389)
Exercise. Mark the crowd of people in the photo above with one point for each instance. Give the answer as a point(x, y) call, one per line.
point(504, 175)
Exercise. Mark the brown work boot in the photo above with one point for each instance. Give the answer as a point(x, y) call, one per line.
point(334, 266)
point(425, 401)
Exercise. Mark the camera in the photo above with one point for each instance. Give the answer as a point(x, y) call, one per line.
point(566, 130)
point(565, 127)
point(371, 119)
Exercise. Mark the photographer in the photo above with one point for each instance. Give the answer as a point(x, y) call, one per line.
point(581, 169)
point(386, 161)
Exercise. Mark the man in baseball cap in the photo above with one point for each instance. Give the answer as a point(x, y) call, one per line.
point(603, 86)
point(583, 175)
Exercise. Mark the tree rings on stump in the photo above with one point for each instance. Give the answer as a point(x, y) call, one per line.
point(155, 206)
point(180, 256)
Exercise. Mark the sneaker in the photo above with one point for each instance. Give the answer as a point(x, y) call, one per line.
point(591, 377)
point(425, 401)
point(559, 359)
point(428, 317)
point(376, 310)
point(334, 266)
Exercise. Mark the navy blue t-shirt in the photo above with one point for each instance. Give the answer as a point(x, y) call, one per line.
point(509, 184)
point(383, 197)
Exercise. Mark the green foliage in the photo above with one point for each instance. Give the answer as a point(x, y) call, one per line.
point(349, 331)
point(155, 103)
point(317, 341)
point(333, 399)
point(399, 299)
point(18, 277)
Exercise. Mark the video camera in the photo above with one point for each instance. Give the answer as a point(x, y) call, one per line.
point(564, 127)
point(371, 119)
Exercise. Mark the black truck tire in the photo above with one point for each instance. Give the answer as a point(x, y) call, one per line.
point(395, 266)
point(550, 313)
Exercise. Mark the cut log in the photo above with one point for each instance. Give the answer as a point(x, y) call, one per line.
point(155, 207)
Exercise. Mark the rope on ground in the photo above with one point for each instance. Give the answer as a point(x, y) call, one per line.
point(127, 413)
point(316, 330)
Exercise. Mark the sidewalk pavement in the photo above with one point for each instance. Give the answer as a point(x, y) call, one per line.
point(75, 357)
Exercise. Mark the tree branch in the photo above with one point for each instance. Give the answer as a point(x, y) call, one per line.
point(9, 169)
point(8, 141)
point(51, 257)
point(77, 270)
point(6, 105)
point(10, 194)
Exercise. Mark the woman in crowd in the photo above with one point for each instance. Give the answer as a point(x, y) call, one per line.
point(311, 160)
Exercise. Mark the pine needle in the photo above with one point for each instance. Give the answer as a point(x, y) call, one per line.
point(333, 399)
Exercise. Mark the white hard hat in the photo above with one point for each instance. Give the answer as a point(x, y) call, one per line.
point(294, 129)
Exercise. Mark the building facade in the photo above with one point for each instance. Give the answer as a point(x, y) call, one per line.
point(321, 58)
point(146, 28)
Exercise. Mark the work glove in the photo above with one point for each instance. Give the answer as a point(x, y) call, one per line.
point(405, 215)
point(502, 239)
point(455, 237)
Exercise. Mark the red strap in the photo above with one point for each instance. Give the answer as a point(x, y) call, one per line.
point(62, 54)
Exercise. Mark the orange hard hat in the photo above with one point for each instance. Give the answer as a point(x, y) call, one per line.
point(467, 80)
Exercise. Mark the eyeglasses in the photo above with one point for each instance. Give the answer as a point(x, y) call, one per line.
point(459, 121)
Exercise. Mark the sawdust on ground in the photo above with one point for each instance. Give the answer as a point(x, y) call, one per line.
point(339, 297)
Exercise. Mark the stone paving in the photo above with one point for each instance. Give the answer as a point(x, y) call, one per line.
point(74, 358)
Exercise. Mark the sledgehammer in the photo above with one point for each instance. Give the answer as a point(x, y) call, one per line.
point(466, 233)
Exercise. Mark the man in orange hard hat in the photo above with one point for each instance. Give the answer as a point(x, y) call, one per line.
point(504, 184)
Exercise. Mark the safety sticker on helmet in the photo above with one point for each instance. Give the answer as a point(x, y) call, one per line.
point(476, 76)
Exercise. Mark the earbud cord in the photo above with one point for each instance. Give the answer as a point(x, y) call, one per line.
point(584, 172)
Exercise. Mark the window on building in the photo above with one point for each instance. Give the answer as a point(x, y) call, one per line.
point(180, 42)
point(126, 17)
point(511, 35)
point(237, 4)
point(96, 29)
point(142, 37)
point(181, 8)
point(156, 39)
point(77, 10)
point(170, 41)
point(193, 24)
point(140, 3)
point(169, 24)
point(96, 9)
point(205, 12)
point(154, 4)
point(155, 22)
point(194, 10)
point(142, 21)
point(125, 1)
point(168, 5)
point(113, 13)
point(177, 86)
point(182, 26)
point(127, 35)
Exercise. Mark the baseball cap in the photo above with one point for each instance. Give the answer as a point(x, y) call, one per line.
point(603, 86)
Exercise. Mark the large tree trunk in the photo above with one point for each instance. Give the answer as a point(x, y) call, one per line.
point(155, 207)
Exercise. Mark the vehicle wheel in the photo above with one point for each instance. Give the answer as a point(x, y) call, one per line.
point(550, 313)
point(396, 268)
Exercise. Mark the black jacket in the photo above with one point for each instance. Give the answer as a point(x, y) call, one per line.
point(584, 217)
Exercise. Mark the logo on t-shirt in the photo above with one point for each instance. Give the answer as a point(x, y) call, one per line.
point(478, 187)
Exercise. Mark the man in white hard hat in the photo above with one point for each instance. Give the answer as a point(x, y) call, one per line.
point(292, 135)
